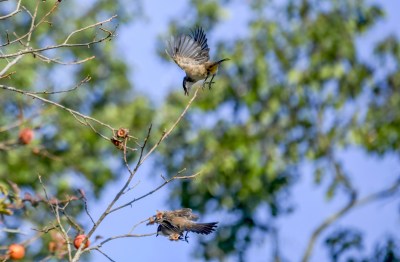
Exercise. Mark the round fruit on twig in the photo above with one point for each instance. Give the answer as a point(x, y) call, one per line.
point(16, 251)
point(26, 136)
point(78, 241)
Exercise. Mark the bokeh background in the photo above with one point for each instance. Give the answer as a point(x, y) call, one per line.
point(304, 117)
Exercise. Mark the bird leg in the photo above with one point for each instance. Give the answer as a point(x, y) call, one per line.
point(205, 81)
point(186, 237)
point(211, 82)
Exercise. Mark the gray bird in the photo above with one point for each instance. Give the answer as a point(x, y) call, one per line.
point(175, 223)
point(165, 228)
point(191, 53)
point(182, 224)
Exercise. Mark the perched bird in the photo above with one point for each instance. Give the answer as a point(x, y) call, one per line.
point(175, 223)
point(191, 53)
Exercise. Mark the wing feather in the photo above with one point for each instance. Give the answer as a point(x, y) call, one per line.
point(189, 49)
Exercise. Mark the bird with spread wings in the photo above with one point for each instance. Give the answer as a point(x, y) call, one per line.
point(191, 54)
point(174, 223)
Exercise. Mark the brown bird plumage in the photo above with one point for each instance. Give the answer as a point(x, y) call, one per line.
point(184, 212)
point(191, 53)
point(182, 224)
point(179, 221)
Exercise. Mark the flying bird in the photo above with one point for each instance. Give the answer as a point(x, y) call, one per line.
point(191, 53)
point(174, 223)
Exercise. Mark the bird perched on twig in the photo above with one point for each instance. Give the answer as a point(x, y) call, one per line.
point(174, 223)
point(191, 53)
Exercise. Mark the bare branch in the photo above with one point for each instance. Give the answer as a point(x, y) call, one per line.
point(83, 81)
point(46, 229)
point(74, 113)
point(137, 224)
point(155, 190)
point(16, 11)
point(9, 65)
point(28, 34)
point(86, 206)
point(132, 173)
point(7, 75)
point(33, 26)
point(13, 231)
point(54, 209)
point(57, 61)
point(104, 254)
point(166, 134)
point(65, 44)
point(119, 236)
point(91, 26)
point(32, 22)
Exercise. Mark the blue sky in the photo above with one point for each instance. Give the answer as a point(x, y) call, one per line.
point(137, 44)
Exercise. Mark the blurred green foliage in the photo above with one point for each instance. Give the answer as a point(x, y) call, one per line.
point(295, 91)
point(67, 154)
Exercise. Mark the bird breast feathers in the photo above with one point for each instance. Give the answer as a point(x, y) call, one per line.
point(192, 69)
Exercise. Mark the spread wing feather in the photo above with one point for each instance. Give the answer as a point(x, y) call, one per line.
point(200, 37)
point(189, 49)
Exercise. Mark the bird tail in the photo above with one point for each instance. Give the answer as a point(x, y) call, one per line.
point(214, 66)
point(222, 60)
point(203, 228)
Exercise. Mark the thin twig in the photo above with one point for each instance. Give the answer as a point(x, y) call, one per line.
point(155, 190)
point(87, 209)
point(137, 224)
point(65, 44)
point(17, 10)
point(132, 173)
point(8, 75)
point(32, 23)
point(64, 233)
point(72, 112)
point(54, 208)
point(115, 199)
point(83, 81)
point(12, 231)
point(132, 187)
point(166, 134)
point(32, 28)
point(120, 236)
point(29, 34)
point(31, 50)
point(9, 65)
point(91, 26)
point(104, 254)
point(57, 61)
point(46, 229)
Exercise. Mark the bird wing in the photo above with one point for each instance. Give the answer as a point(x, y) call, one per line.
point(202, 228)
point(184, 212)
point(188, 50)
point(168, 228)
